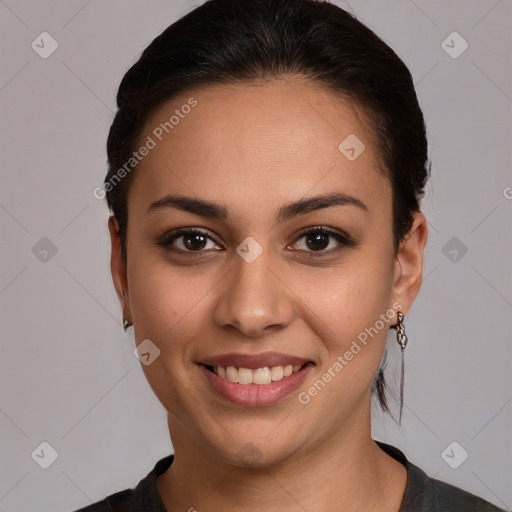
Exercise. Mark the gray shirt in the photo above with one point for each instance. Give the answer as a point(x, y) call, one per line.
point(422, 493)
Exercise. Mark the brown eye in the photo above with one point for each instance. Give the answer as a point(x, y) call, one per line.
point(188, 240)
point(194, 241)
point(318, 239)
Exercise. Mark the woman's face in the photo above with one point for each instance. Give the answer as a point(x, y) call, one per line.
point(252, 283)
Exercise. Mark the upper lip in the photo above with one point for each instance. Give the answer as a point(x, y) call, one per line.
point(253, 361)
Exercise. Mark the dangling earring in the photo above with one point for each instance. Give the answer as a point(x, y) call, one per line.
point(401, 338)
point(126, 323)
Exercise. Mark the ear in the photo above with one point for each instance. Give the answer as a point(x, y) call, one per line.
point(409, 264)
point(118, 268)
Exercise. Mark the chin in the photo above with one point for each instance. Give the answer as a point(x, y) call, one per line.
point(254, 452)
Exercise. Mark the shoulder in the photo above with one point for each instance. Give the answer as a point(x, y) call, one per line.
point(143, 498)
point(450, 498)
point(424, 493)
point(124, 500)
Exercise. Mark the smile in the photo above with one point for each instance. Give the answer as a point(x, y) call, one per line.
point(261, 376)
point(257, 386)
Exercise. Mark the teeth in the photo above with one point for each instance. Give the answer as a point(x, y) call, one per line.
point(277, 372)
point(264, 375)
point(261, 376)
point(231, 374)
point(244, 376)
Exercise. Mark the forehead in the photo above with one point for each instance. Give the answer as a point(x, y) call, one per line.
point(266, 138)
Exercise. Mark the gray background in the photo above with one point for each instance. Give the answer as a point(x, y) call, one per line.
point(68, 375)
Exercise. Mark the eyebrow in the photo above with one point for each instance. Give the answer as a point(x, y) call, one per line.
point(216, 211)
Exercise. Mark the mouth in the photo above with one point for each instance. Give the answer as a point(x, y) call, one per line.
point(260, 376)
point(255, 380)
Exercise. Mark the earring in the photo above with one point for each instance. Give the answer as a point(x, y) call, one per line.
point(401, 338)
point(126, 323)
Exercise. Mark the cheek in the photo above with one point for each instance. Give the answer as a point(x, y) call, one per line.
point(168, 309)
point(156, 303)
point(354, 308)
point(168, 304)
point(351, 297)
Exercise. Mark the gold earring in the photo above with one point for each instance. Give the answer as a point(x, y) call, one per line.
point(126, 323)
point(401, 338)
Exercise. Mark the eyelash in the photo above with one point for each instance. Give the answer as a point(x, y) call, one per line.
point(343, 240)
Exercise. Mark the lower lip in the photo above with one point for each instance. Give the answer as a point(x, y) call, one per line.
point(256, 394)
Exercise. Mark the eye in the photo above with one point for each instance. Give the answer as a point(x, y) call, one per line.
point(189, 240)
point(317, 239)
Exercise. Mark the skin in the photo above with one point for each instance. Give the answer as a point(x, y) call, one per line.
point(252, 149)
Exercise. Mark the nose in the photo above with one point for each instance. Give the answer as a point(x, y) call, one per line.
point(254, 298)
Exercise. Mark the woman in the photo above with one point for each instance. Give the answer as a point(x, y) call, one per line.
point(266, 165)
